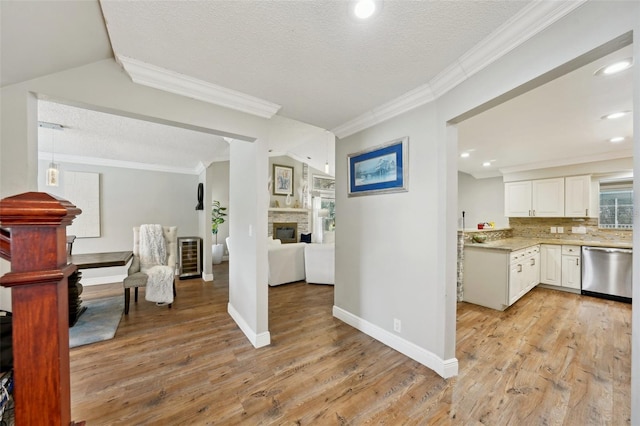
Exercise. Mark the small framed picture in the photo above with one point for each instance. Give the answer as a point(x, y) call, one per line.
point(282, 180)
point(382, 169)
point(323, 184)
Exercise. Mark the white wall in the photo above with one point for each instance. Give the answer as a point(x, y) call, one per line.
point(387, 251)
point(248, 203)
point(482, 200)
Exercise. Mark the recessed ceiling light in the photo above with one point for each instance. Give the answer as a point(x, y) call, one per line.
point(617, 139)
point(615, 67)
point(615, 115)
point(465, 155)
point(364, 9)
point(486, 164)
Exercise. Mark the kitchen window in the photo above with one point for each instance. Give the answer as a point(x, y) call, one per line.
point(616, 205)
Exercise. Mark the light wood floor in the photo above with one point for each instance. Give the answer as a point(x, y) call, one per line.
point(553, 358)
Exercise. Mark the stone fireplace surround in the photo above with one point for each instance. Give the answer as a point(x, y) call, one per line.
point(302, 217)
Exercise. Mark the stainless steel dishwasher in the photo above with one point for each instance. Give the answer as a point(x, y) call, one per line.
point(606, 272)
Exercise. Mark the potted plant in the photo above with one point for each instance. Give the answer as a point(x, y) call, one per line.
point(218, 213)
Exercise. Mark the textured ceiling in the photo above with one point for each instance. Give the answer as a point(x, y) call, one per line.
point(44, 37)
point(312, 57)
point(316, 61)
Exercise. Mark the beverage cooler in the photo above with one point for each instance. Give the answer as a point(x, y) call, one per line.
point(190, 257)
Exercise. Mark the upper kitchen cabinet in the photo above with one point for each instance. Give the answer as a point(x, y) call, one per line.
point(517, 199)
point(578, 200)
point(558, 197)
point(539, 198)
point(548, 197)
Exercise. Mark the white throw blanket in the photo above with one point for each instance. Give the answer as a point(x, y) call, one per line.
point(153, 256)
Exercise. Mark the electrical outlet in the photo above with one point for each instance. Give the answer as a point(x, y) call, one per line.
point(553, 230)
point(560, 229)
point(397, 325)
point(580, 230)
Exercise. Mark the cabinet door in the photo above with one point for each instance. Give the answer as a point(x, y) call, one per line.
point(548, 197)
point(533, 275)
point(550, 264)
point(516, 279)
point(571, 273)
point(517, 199)
point(577, 196)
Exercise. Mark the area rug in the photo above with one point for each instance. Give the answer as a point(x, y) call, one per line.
point(99, 322)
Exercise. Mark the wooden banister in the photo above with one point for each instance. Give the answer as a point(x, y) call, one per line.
point(33, 239)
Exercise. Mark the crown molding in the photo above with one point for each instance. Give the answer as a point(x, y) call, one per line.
point(406, 102)
point(94, 161)
point(531, 20)
point(180, 84)
point(615, 155)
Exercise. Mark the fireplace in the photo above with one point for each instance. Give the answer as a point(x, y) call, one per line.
point(287, 232)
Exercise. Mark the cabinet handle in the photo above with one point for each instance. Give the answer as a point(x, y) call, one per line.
point(586, 212)
point(577, 262)
point(519, 268)
point(534, 212)
point(530, 213)
point(533, 262)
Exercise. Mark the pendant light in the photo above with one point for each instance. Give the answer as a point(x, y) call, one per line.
point(326, 163)
point(53, 173)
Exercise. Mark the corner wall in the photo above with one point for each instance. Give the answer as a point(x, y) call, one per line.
point(387, 248)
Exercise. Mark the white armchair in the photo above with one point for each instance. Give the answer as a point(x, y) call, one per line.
point(135, 278)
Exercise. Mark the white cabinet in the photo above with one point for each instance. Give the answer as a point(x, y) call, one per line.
point(560, 265)
point(517, 199)
point(524, 272)
point(578, 199)
point(540, 198)
point(498, 278)
point(550, 264)
point(548, 197)
point(571, 196)
point(571, 268)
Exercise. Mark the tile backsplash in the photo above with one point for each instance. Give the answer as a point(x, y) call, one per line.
point(538, 227)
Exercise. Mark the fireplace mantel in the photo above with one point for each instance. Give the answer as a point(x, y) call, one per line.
point(286, 210)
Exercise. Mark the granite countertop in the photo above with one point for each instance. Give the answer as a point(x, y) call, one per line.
point(513, 244)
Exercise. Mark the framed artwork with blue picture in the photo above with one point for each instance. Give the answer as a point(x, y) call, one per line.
point(379, 170)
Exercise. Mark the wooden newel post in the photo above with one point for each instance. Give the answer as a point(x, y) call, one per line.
point(37, 226)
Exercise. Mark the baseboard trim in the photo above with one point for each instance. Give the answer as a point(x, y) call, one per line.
point(258, 340)
point(446, 368)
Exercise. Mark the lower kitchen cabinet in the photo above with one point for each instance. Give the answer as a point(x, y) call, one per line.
point(560, 266)
point(498, 278)
point(571, 267)
point(551, 264)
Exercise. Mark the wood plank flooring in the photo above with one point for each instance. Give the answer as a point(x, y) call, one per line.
point(553, 358)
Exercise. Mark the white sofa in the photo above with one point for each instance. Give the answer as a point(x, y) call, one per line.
point(319, 263)
point(286, 262)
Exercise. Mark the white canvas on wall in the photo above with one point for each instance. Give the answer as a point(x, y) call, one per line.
point(83, 190)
